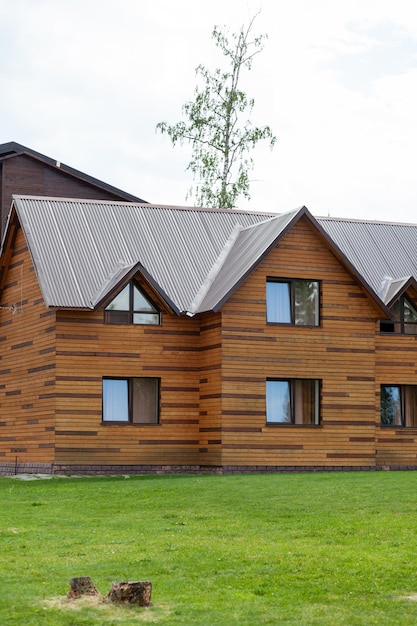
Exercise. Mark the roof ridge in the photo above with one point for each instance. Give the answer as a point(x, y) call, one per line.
point(358, 220)
point(270, 218)
point(147, 205)
point(214, 270)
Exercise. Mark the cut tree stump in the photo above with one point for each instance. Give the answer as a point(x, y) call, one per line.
point(131, 593)
point(82, 586)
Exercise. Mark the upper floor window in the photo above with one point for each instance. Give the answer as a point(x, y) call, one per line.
point(131, 306)
point(399, 405)
point(293, 401)
point(404, 318)
point(292, 302)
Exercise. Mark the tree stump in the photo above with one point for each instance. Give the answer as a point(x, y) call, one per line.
point(131, 593)
point(82, 586)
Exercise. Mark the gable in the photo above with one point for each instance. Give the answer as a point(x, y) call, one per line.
point(241, 253)
point(302, 253)
point(251, 245)
point(380, 251)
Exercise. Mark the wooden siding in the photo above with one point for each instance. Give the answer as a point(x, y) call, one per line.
point(25, 175)
point(396, 364)
point(210, 369)
point(88, 350)
point(27, 364)
point(341, 353)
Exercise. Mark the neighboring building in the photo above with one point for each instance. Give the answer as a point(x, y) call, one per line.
point(24, 171)
point(141, 338)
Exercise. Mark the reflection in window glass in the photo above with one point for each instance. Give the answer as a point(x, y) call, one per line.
point(140, 303)
point(131, 306)
point(278, 307)
point(391, 405)
point(278, 407)
point(306, 295)
point(292, 302)
point(294, 401)
point(398, 405)
point(131, 400)
point(120, 302)
point(115, 400)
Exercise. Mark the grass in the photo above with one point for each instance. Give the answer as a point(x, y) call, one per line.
point(296, 549)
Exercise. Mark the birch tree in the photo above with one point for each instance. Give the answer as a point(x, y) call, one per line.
point(218, 124)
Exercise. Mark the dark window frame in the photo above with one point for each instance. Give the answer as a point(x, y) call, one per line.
point(292, 382)
point(407, 419)
point(115, 316)
point(130, 400)
point(399, 326)
point(292, 282)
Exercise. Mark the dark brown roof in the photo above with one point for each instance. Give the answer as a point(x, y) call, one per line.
point(12, 149)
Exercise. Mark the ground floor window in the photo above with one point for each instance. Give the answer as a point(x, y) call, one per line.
point(131, 400)
point(399, 405)
point(293, 401)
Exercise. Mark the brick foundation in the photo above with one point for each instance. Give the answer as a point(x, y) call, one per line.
point(14, 469)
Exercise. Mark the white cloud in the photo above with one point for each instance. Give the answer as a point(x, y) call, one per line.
point(86, 82)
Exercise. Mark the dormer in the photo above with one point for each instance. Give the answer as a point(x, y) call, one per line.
point(401, 297)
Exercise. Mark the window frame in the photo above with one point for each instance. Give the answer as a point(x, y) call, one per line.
point(292, 384)
point(130, 401)
point(131, 312)
point(405, 398)
point(292, 282)
point(399, 326)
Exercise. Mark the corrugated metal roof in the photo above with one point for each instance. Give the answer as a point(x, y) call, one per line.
point(380, 251)
point(79, 246)
point(194, 257)
point(246, 249)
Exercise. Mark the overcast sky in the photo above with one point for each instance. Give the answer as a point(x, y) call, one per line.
point(86, 82)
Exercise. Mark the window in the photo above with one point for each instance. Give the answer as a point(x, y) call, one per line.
point(131, 400)
point(292, 302)
point(399, 405)
point(131, 306)
point(294, 401)
point(404, 318)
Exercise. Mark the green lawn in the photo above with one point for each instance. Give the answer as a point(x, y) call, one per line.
point(296, 549)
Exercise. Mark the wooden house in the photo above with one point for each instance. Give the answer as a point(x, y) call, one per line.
point(139, 338)
point(27, 172)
